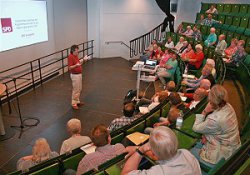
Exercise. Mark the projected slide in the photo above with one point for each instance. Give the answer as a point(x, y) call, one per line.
point(22, 23)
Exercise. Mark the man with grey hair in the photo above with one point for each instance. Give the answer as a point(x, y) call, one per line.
point(163, 144)
point(189, 32)
point(222, 45)
point(76, 140)
point(211, 39)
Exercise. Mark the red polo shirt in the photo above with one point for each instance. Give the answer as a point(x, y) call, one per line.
point(73, 60)
point(199, 57)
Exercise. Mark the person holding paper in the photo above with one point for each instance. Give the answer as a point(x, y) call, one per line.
point(75, 69)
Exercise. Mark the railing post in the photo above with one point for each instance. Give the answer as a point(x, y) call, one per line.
point(40, 71)
point(62, 59)
point(32, 76)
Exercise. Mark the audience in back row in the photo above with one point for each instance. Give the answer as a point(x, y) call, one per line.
point(76, 140)
point(212, 10)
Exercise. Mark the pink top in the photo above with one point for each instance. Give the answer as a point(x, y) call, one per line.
point(164, 59)
point(230, 51)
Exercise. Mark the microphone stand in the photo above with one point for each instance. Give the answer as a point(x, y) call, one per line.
point(22, 125)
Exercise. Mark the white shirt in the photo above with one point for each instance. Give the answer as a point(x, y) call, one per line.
point(169, 45)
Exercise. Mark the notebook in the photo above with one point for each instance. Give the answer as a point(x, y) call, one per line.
point(138, 138)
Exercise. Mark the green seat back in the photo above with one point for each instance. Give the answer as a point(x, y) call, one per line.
point(154, 118)
point(243, 8)
point(243, 37)
point(221, 18)
point(139, 127)
point(244, 22)
point(224, 32)
point(216, 167)
point(236, 21)
point(225, 27)
point(220, 7)
point(247, 32)
point(247, 60)
point(229, 36)
point(116, 168)
point(244, 169)
point(204, 30)
point(49, 170)
point(232, 28)
point(236, 35)
point(187, 126)
point(240, 30)
point(228, 20)
point(173, 36)
point(185, 141)
point(73, 161)
point(235, 8)
point(227, 8)
point(117, 138)
point(205, 7)
point(112, 161)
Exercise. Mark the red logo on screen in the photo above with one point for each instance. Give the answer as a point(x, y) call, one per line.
point(6, 25)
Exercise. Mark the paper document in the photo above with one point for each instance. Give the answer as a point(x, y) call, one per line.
point(138, 138)
point(89, 148)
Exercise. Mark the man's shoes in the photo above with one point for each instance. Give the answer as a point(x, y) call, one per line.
point(80, 104)
point(75, 107)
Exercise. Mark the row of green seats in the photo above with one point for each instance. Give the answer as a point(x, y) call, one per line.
point(229, 19)
point(240, 9)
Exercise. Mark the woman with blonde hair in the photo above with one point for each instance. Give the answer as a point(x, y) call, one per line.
point(219, 126)
point(40, 153)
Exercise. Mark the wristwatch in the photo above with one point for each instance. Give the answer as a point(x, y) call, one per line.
point(139, 152)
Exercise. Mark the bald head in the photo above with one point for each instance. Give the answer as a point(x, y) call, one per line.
point(173, 114)
point(199, 94)
point(205, 84)
point(212, 30)
point(222, 37)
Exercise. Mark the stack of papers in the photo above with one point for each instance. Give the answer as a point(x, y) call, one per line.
point(188, 76)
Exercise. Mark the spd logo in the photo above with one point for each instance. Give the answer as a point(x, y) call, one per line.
point(6, 25)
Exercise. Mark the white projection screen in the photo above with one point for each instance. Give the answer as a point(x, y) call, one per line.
point(22, 23)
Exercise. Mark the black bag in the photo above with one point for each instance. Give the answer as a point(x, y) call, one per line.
point(130, 97)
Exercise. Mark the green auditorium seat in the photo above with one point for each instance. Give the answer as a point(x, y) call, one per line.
point(240, 30)
point(220, 7)
point(228, 20)
point(247, 60)
point(248, 10)
point(215, 16)
point(235, 8)
point(49, 170)
point(184, 140)
point(244, 169)
point(221, 18)
point(173, 36)
point(225, 26)
point(243, 8)
point(205, 6)
point(232, 28)
point(73, 161)
point(168, 34)
point(204, 30)
point(236, 21)
point(243, 37)
point(187, 126)
point(244, 22)
point(117, 138)
point(227, 8)
point(110, 162)
point(139, 127)
point(247, 32)
point(224, 32)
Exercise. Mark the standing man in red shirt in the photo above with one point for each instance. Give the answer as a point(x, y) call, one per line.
point(75, 69)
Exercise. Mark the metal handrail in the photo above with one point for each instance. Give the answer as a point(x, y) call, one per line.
point(139, 44)
point(38, 71)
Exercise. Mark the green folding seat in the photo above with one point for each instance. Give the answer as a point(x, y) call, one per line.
point(173, 36)
point(136, 128)
point(232, 28)
point(204, 30)
point(247, 44)
point(221, 18)
point(224, 32)
point(228, 20)
point(235, 8)
point(240, 30)
point(227, 8)
point(215, 16)
point(236, 21)
point(229, 36)
point(243, 37)
point(247, 32)
point(248, 9)
point(204, 7)
point(225, 27)
point(218, 31)
point(220, 7)
point(168, 34)
point(244, 22)
point(236, 35)
point(243, 8)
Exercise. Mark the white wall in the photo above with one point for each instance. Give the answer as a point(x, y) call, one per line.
point(67, 24)
point(120, 20)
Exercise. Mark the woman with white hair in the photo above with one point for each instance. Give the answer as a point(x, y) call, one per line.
point(219, 126)
point(76, 140)
point(212, 63)
point(195, 62)
point(40, 153)
point(163, 145)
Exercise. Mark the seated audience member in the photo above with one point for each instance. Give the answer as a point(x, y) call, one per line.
point(148, 51)
point(163, 143)
point(173, 114)
point(167, 70)
point(104, 151)
point(40, 153)
point(148, 105)
point(178, 46)
point(205, 74)
point(198, 95)
point(164, 57)
point(76, 140)
point(188, 53)
point(201, 20)
point(211, 39)
point(239, 55)
point(170, 87)
point(169, 44)
point(209, 21)
point(231, 49)
point(176, 101)
point(196, 60)
point(219, 126)
point(197, 36)
point(127, 118)
point(212, 63)
point(180, 29)
point(221, 45)
point(159, 54)
point(155, 52)
point(212, 10)
point(183, 48)
point(189, 32)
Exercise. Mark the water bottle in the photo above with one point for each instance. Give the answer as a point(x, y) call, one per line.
point(179, 120)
